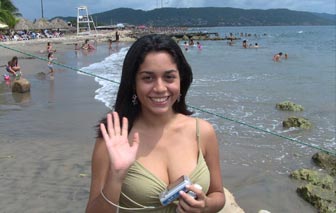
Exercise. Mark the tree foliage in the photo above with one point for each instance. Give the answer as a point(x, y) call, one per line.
point(8, 13)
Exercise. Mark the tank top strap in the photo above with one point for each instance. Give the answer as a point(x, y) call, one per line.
point(198, 133)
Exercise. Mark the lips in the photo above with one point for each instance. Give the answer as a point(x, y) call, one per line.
point(159, 100)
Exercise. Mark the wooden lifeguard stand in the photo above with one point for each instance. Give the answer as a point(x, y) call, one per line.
point(84, 21)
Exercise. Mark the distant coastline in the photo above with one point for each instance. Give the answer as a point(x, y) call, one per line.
point(209, 17)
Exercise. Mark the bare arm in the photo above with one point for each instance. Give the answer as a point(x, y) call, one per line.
point(112, 156)
point(214, 200)
point(216, 197)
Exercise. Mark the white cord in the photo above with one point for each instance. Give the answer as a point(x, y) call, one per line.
point(125, 208)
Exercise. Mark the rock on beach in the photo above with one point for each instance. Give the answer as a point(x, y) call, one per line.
point(289, 106)
point(21, 85)
point(318, 187)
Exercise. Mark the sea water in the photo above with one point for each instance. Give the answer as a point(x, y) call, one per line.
point(237, 88)
point(245, 84)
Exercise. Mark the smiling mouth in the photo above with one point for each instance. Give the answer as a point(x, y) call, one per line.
point(159, 100)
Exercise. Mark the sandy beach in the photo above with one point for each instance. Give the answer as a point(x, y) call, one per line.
point(47, 135)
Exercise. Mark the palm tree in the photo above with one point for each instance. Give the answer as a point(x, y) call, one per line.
point(8, 13)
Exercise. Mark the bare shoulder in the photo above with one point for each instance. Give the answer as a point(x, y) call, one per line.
point(207, 136)
point(206, 128)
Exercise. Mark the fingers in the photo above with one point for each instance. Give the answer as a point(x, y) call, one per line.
point(187, 203)
point(110, 128)
point(116, 123)
point(113, 125)
point(124, 130)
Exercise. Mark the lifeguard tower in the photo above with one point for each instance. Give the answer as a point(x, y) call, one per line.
point(84, 21)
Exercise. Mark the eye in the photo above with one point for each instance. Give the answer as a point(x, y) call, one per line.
point(170, 77)
point(147, 78)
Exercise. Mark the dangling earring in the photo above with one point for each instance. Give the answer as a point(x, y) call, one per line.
point(178, 98)
point(134, 100)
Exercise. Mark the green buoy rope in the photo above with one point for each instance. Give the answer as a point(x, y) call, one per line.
point(193, 107)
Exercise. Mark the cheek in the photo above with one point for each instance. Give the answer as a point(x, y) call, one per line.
point(176, 88)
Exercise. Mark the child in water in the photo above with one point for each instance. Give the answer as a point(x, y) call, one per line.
point(50, 64)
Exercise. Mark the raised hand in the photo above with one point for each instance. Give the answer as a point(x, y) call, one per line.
point(122, 153)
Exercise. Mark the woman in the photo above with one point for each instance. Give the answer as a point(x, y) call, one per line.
point(150, 140)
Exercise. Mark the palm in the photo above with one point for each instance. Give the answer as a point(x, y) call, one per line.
point(122, 154)
point(8, 13)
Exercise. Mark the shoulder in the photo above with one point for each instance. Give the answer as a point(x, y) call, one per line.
point(207, 136)
point(204, 126)
point(206, 129)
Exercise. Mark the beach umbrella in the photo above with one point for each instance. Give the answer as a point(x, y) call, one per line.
point(42, 24)
point(24, 24)
point(58, 23)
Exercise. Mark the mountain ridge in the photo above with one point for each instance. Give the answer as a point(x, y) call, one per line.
point(210, 17)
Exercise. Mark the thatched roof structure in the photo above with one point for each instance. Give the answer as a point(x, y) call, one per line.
point(3, 25)
point(24, 24)
point(42, 24)
point(58, 23)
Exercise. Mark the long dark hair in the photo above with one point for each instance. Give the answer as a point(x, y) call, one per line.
point(134, 58)
point(14, 61)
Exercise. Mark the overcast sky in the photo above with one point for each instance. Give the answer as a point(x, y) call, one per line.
point(31, 9)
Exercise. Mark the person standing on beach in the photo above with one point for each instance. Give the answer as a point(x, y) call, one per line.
point(150, 140)
point(50, 48)
point(50, 64)
point(117, 35)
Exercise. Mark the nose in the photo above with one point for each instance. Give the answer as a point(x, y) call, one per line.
point(160, 85)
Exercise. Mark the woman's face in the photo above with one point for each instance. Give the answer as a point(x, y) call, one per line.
point(158, 83)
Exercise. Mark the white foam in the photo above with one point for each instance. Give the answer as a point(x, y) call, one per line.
point(110, 68)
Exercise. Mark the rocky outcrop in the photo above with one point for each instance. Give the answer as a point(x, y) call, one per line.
point(297, 122)
point(41, 75)
point(325, 161)
point(289, 106)
point(316, 178)
point(21, 85)
point(319, 187)
point(322, 199)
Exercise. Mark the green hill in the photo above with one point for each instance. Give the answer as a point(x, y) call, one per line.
point(209, 17)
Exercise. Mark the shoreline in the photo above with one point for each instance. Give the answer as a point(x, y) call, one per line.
point(39, 107)
point(255, 169)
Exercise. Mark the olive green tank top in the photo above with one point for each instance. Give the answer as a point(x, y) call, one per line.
point(142, 188)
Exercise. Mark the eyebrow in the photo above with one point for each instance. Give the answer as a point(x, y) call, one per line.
point(150, 72)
